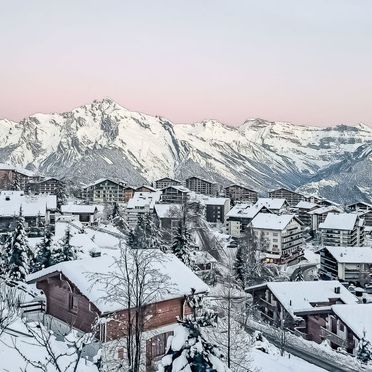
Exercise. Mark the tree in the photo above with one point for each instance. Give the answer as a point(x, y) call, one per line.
point(136, 280)
point(364, 352)
point(15, 184)
point(189, 349)
point(181, 246)
point(61, 194)
point(44, 252)
point(18, 254)
point(65, 252)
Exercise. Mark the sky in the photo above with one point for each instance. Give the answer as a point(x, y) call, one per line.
point(307, 62)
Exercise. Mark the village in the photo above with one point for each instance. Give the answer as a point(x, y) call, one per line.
point(282, 262)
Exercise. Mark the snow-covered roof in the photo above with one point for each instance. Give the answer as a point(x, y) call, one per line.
point(32, 205)
point(80, 272)
point(360, 203)
point(358, 317)
point(26, 172)
point(272, 221)
point(324, 210)
point(271, 203)
point(78, 208)
point(215, 201)
point(167, 178)
point(351, 254)
point(177, 187)
point(168, 210)
point(306, 205)
point(306, 295)
point(144, 199)
point(201, 179)
point(244, 211)
point(147, 187)
point(342, 221)
point(241, 186)
point(100, 180)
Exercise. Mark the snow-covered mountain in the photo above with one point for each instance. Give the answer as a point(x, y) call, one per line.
point(104, 139)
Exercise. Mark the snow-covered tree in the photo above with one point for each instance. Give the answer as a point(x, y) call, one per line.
point(64, 251)
point(61, 194)
point(181, 244)
point(44, 252)
point(18, 254)
point(15, 184)
point(189, 350)
point(364, 352)
point(10, 300)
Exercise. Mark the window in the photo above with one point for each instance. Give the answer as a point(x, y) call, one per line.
point(156, 346)
point(341, 326)
point(120, 353)
point(73, 303)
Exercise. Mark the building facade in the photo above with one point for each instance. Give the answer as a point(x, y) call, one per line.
point(104, 191)
point(175, 195)
point(240, 194)
point(162, 183)
point(201, 186)
point(292, 197)
point(49, 185)
point(216, 209)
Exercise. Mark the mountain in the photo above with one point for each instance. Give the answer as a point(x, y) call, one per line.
point(104, 139)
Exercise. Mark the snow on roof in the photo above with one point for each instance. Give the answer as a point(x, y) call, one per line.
point(358, 317)
point(342, 221)
point(168, 210)
point(26, 172)
point(244, 211)
point(167, 178)
point(202, 257)
point(215, 201)
point(144, 199)
point(272, 221)
point(351, 254)
point(100, 180)
point(306, 205)
point(324, 210)
point(78, 208)
point(32, 205)
point(80, 272)
point(271, 203)
point(202, 179)
point(177, 187)
point(147, 187)
point(303, 296)
point(241, 186)
point(358, 203)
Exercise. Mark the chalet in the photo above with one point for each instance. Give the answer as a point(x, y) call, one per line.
point(165, 182)
point(13, 178)
point(300, 306)
point(175, 194)
point(49, 185)
point(367, 217)
point(276, 206)
point(282, 235)
point(140, 204)
point(128, 193)
point(216, 209)
point(303, 208)
point(364, 210)
point(350, 264)
point(346, 325)
point(344, 229)
point(201, 186)
point(104, 190)
point(145, 188)
point(37, 211)
point(74, 297)
point(318, 215)
point(86, 214)
point(168, 217)
point(240, 216)
point(291, 197)
point(241, 194)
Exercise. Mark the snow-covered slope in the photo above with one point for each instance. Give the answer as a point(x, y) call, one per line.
point(104, 139)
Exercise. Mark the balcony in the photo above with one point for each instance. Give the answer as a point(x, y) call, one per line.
point(325, 333)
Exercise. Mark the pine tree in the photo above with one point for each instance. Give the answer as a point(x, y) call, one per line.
point(153, 236)
point(61, 194)
point(65, 252)
point(44, 254)
point(181, 247)
point(15, 183)
point(364, 352)
point(19, 254)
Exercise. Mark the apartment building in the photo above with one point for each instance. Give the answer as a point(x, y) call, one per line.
point(240, 194)
point(104, 190)
point(201, 186)
point(292, 197)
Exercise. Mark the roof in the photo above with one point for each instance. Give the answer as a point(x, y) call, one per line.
point(324, 210)
point(306, 205)
point(271, 203)
point(100, 180)
point(168, 210)
point(202, 179)
point(80, 272)
point(272, 221)
point(78, 208)
point(342, 221)
point(244, 211)
point(167, 178)
point(360, 203)
point(147, 187)
point(305, 296)
point(177, 187)
point(32, 205)
point(215, 201)
point(26, 172)
point(351, 254)
point(284, 189)
point(357, 317)
point(144, 199)
point(243, 187)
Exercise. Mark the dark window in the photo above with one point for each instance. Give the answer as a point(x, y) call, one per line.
point(73, 303)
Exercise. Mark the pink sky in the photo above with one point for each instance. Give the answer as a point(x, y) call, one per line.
point(307, 62)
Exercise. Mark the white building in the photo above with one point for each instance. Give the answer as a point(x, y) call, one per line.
point(275, 205)
point(318, 215)
point(344, 229)
point(282, 235)
point(85, 214)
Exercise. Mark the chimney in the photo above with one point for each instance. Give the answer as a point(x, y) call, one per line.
point(337, 290)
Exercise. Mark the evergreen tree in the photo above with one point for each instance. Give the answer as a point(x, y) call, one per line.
point(364, 352)
point(61, 194)
point(181, 246)
point(153, 236)
point(65, 252)
point(19, 254)
point(44, 254)
point(15, 183)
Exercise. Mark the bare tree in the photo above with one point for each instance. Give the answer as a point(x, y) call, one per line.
point(135, 282)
